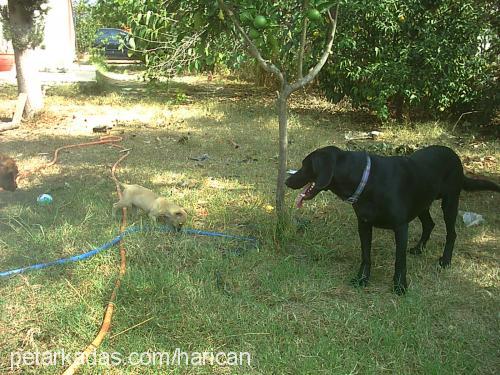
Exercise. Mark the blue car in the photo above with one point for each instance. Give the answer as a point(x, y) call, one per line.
point(114, 43)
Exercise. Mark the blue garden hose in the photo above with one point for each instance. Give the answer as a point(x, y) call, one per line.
point(114, 241)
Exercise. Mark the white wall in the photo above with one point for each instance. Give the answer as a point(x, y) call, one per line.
point(59, 44)
point(58, 51)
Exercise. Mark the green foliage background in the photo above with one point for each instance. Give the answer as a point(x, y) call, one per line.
point(431, 56)
point(30, 33)
point(86, 25)
point(397, 58)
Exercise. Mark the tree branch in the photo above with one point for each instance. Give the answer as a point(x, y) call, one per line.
point(314, 71)
point(268, 66)
point(300, 69)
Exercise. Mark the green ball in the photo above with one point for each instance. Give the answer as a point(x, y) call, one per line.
point(260, 22)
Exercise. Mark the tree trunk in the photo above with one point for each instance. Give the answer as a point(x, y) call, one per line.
point(281, 213)
point(283, 147)
point(398, 102)
point(28, 80)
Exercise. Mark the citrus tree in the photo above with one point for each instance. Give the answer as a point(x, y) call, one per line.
point(275, 35)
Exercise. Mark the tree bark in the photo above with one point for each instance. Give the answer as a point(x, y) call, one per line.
point(398, 102)
point(28, 79)
point(282, 107)
point(281, 213)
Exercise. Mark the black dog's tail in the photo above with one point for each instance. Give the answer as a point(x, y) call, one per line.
point(473, 184)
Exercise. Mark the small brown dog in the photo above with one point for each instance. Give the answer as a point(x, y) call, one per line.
point(155, 206)
point(8, 173)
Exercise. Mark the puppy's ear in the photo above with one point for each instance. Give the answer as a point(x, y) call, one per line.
point(323, 168)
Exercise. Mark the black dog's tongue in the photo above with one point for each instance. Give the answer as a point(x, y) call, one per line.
point(299, 202)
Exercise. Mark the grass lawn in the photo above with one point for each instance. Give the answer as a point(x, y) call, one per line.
point(291, 308)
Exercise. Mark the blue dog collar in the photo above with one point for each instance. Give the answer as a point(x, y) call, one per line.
point(364, 179)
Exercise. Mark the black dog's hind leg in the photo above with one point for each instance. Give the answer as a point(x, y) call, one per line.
point(450, 211)
point(401, 236)
point(427, 227)
point(365, 235)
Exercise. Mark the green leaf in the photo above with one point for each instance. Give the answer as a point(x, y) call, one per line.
point(131, 42)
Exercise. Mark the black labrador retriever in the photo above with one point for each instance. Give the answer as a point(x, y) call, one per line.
point(389, 192)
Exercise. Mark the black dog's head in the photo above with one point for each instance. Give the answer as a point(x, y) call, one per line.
point(315, 174)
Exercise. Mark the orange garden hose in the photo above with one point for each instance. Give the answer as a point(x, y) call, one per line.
point(106, 324)
point(111, 140)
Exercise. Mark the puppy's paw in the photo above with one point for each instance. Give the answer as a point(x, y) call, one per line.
point(359, 282)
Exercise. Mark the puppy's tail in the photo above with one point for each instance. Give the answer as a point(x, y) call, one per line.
point(473, 184)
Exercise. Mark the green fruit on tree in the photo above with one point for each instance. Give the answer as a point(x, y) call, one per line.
point(260, 22)
point(253, 34)
point(313, 14)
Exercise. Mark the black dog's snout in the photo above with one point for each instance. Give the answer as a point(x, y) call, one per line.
point(296, 181)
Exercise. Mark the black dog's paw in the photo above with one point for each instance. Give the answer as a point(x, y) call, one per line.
point(359, 281)
point(400, 288)
point(444, 263)
point(417, 250)
point(400, 285)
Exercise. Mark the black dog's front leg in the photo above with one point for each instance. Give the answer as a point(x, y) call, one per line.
point(401, 235)
point(365, 235)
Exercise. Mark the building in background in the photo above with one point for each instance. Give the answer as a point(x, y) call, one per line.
point(58, 50)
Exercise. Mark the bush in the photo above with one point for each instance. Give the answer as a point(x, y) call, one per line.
point(429, 57)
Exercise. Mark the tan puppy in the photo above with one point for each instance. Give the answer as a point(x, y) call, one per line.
point(152, 204)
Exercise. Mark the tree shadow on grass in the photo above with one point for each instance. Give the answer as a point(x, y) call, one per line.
point(170, 92)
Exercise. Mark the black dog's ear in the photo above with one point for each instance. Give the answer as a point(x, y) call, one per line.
point(323, 169)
